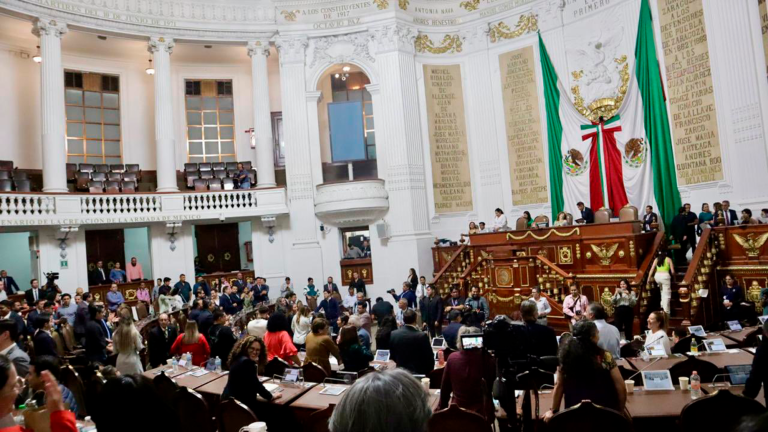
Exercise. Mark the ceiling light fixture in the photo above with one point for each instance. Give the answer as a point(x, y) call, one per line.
point(150, 70)
point(345, 73)
point(37, 58)
point(346, 68)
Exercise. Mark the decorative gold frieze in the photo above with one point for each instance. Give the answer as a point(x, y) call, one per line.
point(450, 43)
point(605, 252)
point(526, 24)
point(381, 4)
point(511, 236)
point(470, 5)
point(403, 4)
point(603, 107)
point(289, 15)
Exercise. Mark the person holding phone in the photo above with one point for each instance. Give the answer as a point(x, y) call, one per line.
point(575, 304)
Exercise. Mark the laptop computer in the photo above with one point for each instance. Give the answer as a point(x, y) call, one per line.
point(738, 374)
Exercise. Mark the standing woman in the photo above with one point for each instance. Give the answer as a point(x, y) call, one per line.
point(413, 279)
point(127, 344)
point(657, 325)
point(662, 270)
point(705, 218)
point(320, 346)
point(278, 342)
point(191, 341)
point(624, 301)
point(500, 221)
point(301, 326)
point(587, 371)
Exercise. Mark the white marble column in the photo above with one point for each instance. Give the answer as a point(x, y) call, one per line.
point(165, 141)
point(306, 256)
point(262, 119)
point(52, 91)
point(397, 119)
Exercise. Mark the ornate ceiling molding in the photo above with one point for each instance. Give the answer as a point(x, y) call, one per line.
point(526, 24)
point(395, 37)
point(450, 44)
point(340, 49)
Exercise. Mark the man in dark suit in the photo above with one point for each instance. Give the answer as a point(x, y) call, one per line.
point(226, 303)
point(410, 348)
point(331, 286)
point(34, 293)
point(382, 309)
point(542, 340)
point(731, 218)
point(240, 283)
point(691, 221)
point(205, 318)
point(43, 341)
point(10, 285)
point(98, 276)
point(39, 308)
point(7, 313)
point(201, 285)
point(81, 318)
point(358, 284)
point(8, 346)
point(97, 335)
point(330, 307)
point(587, 215)
point(650, 218)
point(160, 340)
point(758, 376)
point(260, 290)
point(432, 312)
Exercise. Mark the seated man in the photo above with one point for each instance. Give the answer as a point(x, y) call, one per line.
point(609, 335)
point(350, 300)
point(36, 387)
point(411, 348)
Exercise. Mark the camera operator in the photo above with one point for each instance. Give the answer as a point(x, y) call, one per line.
point(51, 288)
point(575, 305)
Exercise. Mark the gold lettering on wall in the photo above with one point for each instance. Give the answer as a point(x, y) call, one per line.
point(764, 26)
point(451, 181)
point(523, 124)
point(690, 92)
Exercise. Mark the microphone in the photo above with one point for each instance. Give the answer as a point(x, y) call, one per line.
point(725, 384)
point(340, 381)
point(644, 368)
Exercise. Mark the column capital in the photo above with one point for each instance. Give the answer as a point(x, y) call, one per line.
point(258, 47)
point(291, 50)
point(395, 37)
point(373, 89)
point(314, 96)
point(48, 26)
point(157, 43)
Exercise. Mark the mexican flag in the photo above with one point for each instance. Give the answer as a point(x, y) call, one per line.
point(612, 162)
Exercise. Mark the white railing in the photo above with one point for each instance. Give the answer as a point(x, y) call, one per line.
point(26, 205)
point(120, 204)
point(238, 199)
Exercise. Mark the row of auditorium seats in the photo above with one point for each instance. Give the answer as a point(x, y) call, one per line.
point(111, 187)
point(85, 174)
point(215, 175)
point(12, 179)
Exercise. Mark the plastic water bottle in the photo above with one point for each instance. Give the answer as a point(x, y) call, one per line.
point(218, 364)
point(695, 386)
point(175, 364)
point(189, 360)
point(694, 346)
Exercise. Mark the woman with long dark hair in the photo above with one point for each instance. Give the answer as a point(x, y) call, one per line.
point(386, 327)
point(413, 279)
point(587, 371)
point(624, 301)
point(278, 340)
point(354, 354)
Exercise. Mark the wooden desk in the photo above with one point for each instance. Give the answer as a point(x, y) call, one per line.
point(739, 337)
point(193, 382)
point(661, 364)
point(363, 267)
point(625, 363)
point(128, 289)
point(152, 373)
point(720, 360)
point(314, 401)
point(290, 392)
point(657, 403)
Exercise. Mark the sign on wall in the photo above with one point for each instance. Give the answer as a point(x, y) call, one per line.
point(522, 121)
point(451, 181)
point(690, 92)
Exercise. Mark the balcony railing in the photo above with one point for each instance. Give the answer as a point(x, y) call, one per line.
point(60, 209)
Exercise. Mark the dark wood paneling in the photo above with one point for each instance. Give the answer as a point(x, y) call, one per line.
point(362, 266)
point(107, 246)
point(218, 247)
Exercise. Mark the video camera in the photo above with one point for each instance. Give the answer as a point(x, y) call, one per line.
point(52, 276)
point(516, 367)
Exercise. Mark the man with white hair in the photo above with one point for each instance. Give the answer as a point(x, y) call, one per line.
point(402, 306)
point(362, 333)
